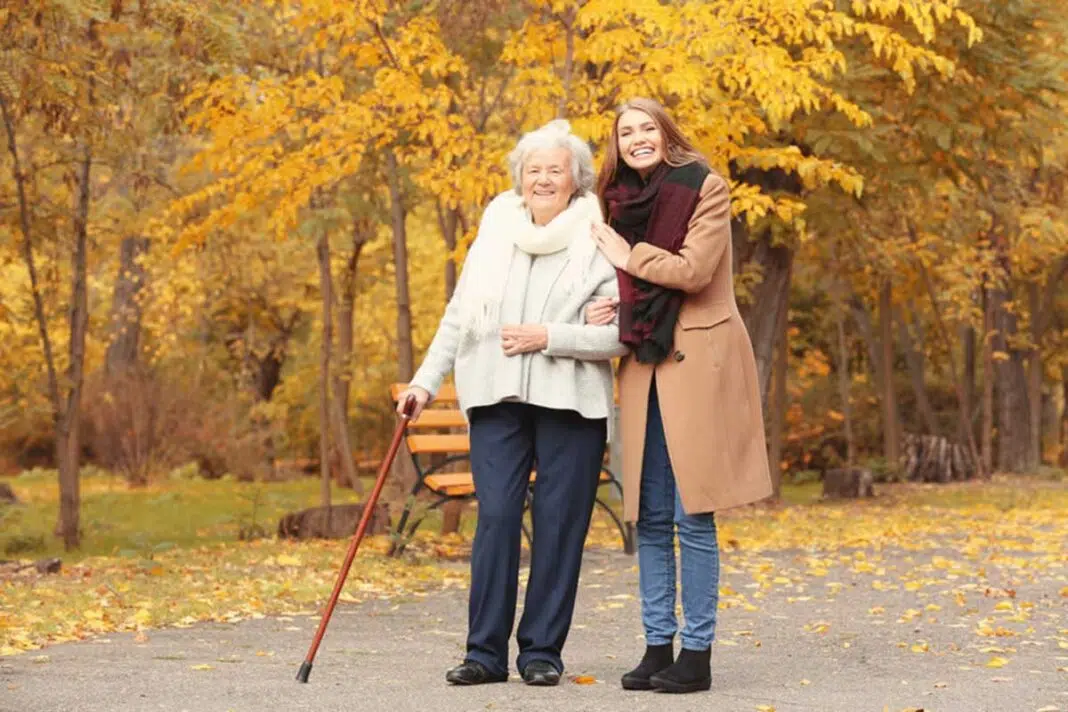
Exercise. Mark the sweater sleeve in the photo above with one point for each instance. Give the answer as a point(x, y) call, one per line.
point(587, 341)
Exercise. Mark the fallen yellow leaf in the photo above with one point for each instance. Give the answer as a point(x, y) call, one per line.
point(997, 662)
point(584, 680)
point(202, 667)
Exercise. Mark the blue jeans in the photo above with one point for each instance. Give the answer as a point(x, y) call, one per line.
point(659, 514)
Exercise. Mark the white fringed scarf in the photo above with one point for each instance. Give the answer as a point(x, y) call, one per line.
point(507, 225)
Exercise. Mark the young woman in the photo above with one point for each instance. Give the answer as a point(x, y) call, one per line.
point(692, 427)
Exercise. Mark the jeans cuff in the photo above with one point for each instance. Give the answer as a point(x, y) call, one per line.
point(659, 639)
point(696, 645)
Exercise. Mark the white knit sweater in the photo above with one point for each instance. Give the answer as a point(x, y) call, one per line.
point(574, 371)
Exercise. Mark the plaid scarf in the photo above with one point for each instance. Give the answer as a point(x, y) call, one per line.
point(657, 212)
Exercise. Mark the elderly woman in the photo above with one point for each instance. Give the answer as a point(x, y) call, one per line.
point(536, 384)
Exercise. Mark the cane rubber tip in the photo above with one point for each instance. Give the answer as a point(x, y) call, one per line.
point(305, 670)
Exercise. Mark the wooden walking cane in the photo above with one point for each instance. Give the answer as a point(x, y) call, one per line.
point(365, 518)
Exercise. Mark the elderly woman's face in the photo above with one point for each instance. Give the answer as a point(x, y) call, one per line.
point(547, 182)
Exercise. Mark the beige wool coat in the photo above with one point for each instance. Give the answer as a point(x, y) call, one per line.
point(708, 389)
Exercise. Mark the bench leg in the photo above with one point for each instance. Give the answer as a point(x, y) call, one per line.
point(415, 525)
point(625, 530)
point(397, 544)
point(614, 482)
point(526, 530)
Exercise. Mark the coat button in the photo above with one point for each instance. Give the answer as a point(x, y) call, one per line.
point(679, 355)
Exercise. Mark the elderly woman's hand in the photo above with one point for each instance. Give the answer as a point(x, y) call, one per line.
point(615, 249)
point(422, 397)
point(523, 338)
point(602, 311)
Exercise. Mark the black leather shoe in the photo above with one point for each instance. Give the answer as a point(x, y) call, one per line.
point(656, 658)
point(470, 672)
point(692, 672)
point(541, 673)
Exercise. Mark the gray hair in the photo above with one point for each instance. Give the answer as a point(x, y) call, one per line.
point(555, 134)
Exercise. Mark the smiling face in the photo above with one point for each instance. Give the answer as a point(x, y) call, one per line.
point(641, 143)
point(547, 183)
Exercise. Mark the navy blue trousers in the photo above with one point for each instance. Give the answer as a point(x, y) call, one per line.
point(507, 441)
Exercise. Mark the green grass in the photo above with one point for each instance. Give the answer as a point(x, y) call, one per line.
point(1002, 492)
point(185, 512)
point(799, 494)
point(118, 519)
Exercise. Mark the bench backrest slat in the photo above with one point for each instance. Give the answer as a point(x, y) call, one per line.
point(439, 418)
point(438, 444)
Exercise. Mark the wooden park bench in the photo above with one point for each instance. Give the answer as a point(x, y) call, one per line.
point(438, 440)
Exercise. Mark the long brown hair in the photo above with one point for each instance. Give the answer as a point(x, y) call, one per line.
point(678, 150)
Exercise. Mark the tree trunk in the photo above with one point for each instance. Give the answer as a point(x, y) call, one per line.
point(123, 349)
point(986, 434)
point(1064, 417)
point(569, 61)
point(965, 428)
point(848, 483)
point(1014, 412)
point(403, 469)
point(772, 295)
point(891, 439)
point(862, 317)
point(1034, 374)
point(398, 216)
point(344, 444)
point(844, 382)
point(1051, 418)
point(962, 400)
point(25, 226)
point(68, 443)
point(322, 252)
point(914, 358)
point(68, 527)
point(1042, 305)
point(779, 404)
point(449, 220)
point(771, 298)
point(362, 231)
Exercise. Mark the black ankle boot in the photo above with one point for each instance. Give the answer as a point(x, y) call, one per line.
point(692, 672)
point(656, 658)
